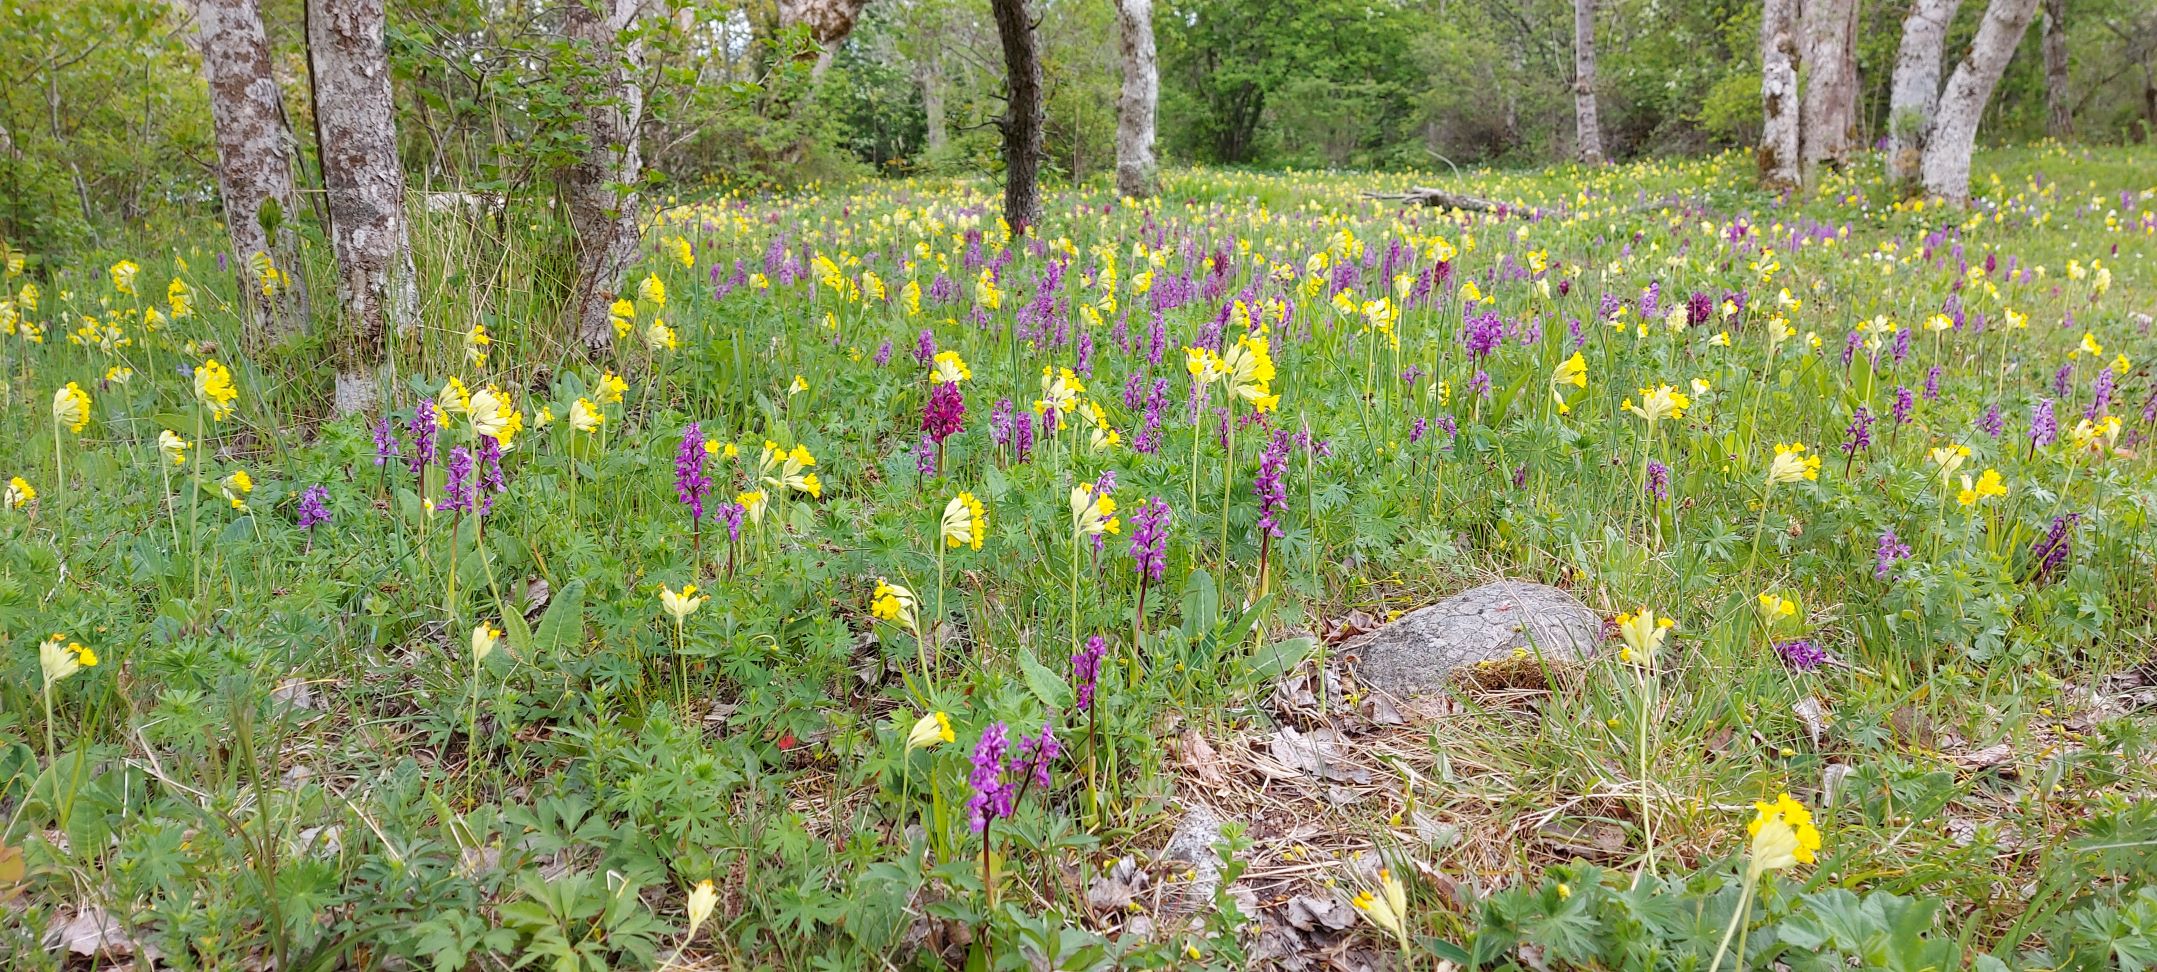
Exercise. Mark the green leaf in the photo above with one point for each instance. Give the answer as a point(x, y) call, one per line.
point(1046, 685)
point(1277, 659)
point(562, 627)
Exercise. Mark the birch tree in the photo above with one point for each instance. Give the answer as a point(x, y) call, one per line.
point(1778, 156)
point(1914, 90)
point(1828, 109)
point(355, 126)
point(1135, 170)
point(1589, 131)
point(1945, 170)
point(254, 165)
point(2059, 105)
point(1023, 113)
point(600, 187)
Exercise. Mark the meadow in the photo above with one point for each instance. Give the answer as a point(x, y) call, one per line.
point(892, 588)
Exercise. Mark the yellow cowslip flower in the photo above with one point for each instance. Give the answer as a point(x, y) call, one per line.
point(236, 487)
point(180, 298)
point(611, 387)
point(682, 252)
point(660, 337)
point(798, 386)
point(454, 398)
point(214, 388)
point(622, 315)
point(2096, 437)
point(1783, 836)
point(1987, 485)
point(543, 418)
point(173, 447)
point(985, 291)
point(19, 493)
point(1572, 371)
point(786, 469)
point(1059, 390)
point(493, 417)
point(584, 416)
point(1092, 515)
point(1657, 404)
point(119, 374)
point(1643, 634)
point(704, 897)
point(930, 730)
point(910, 298)
point(2120, 364)
point(753, 503)
point(1250, 371)
point(1774, 607)
point(949, 369)
point(1939, 322)
point(1949, 458)
point(680, 605)
point(964, 524)
point(476, 345)
point(652, 290)
point(1792, 464)
point(890, 602)
point(71, 407)
point(2089, 346)
point(1205, 366)
point(1387, 909)
point(123, 276)
point(58, 658)
point(485, 638)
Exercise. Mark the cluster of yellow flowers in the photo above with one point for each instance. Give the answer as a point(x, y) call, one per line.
point(964, 523)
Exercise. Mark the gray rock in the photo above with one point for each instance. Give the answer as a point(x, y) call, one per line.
point(1194, 868)
point(1416, 653)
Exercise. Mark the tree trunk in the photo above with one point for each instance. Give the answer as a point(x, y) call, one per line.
point(829, 21)
point(254, 166)
point(1914, 93)
point(1946, 166)
point(1589, 132)
point(1829, 109)
point(356, 129)
point(932, 104)
point(1778, 95)
point(602, 207)
point(1023, 114)
point(1134, 109)
point(2059, 110)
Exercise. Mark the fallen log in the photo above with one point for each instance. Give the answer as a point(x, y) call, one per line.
point(1428, 196)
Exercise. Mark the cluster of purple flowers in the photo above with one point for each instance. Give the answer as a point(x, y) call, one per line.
point(1890, 551)
point(925, 348)
point(2063, 380)
point(1859, 435)
point(1149, 434)
point(945, 412)
point(314, 507)
point(1658, 484)
point(423, 431)
point(1801, 654)
point(1271, 492)
point(1932, 384)
point(491, 480)
point(1991, 423)
point(690, 483)
point(2044, 426)
point(385, 442)
point(1482, 335)
point(997, 777)
point(2053, 550)
point(883, 353)
point(1086, 670)
point(1904, 403)
point(1149, 538)
point(2100, 395)
point(459, 486)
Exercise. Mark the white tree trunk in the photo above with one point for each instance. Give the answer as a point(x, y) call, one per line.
point(1135, 107)
point(602, 212)
point(1946, 166)
point(1829, 109)
point(1588, 130)
point(932, 104)
point(254, 164)
point(1778, 95)
point(1914, 92)
point(2059, 107)
point(364, 180)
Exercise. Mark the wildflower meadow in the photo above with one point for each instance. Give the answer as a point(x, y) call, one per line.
point(895, 587)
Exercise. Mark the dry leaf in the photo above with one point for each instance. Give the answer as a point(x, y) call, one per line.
point(1308, 913)
point(1201, 760)
point(1986, 758)
point(90, 931)
point(1813, 716)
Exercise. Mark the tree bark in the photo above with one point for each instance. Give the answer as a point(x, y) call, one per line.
point(932, 104)
point(1135, 170)
point(1589, 131)
point(1023, 114)
point(254, 166)
point(1946, 165)
point(2059, 105)
point(598, 188)
point(1914, 92)
point(356, 129)
point(829, 21)
point(1829, 100)
point(1778, 156)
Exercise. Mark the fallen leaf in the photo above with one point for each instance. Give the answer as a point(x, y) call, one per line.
point(1307, 913)
point(1201, 760)
point(92, 932)
point(1813, 716)
point(1986, 758)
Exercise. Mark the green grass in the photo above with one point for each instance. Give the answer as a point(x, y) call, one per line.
point(276, 758)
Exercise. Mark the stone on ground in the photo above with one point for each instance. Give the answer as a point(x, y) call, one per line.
point(1417, 653)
